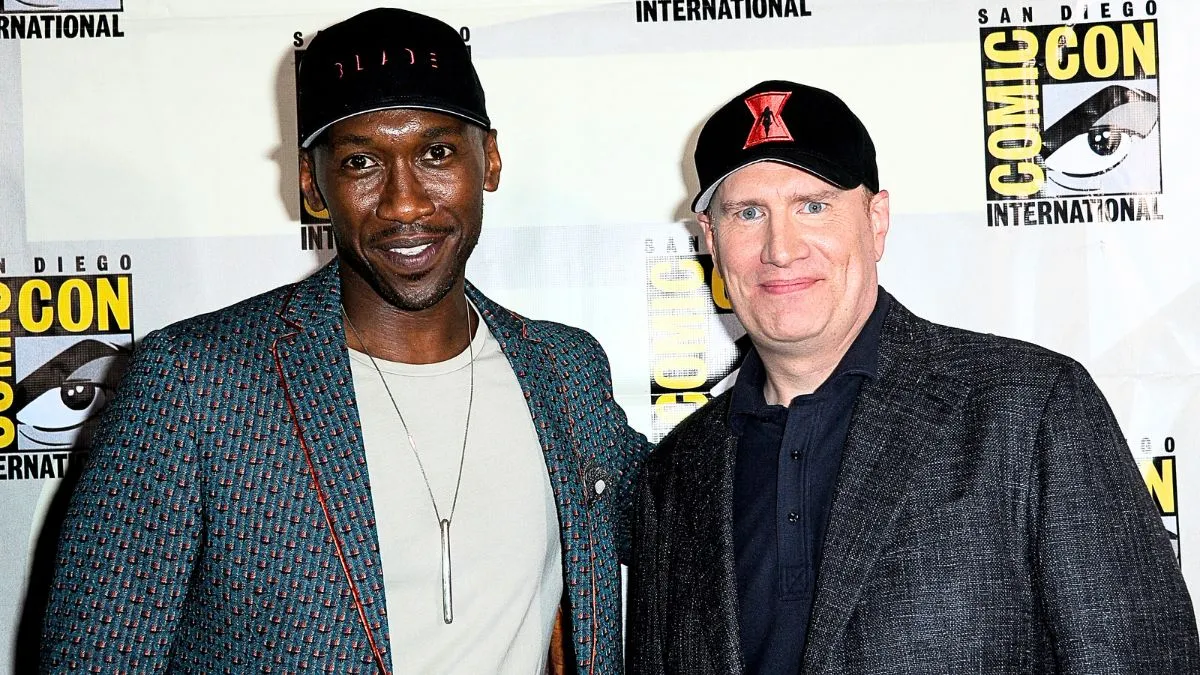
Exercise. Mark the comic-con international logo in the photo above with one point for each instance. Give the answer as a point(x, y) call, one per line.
point(696, 342)
point(1071, 120)
point(64, 340)
point(58, 19)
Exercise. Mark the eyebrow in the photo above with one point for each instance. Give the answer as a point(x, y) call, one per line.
point(799, 197)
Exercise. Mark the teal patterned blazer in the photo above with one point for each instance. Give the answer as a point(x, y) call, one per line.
point(196, 542)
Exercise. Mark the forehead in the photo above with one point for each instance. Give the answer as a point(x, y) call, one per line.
point(769, 177)
point(395, 124)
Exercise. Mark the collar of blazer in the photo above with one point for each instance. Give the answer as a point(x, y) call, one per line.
point(898, 418)
point(311, 357)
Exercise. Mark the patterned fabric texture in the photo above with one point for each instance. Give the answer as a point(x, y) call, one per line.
point(195, 541)
point(988, 518)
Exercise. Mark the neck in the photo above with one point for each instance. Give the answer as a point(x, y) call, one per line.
point(386, 332)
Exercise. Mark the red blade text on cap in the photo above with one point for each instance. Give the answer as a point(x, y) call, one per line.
point(768, 124)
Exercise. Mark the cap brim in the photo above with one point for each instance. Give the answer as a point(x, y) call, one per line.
point(486, 124)
point(701, 202)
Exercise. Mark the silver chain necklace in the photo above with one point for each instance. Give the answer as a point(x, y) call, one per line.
point(443, 523)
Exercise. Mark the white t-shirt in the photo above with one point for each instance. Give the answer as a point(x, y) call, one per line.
point(505, 548)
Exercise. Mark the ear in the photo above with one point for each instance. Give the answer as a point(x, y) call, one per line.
point(879, 211)
point(308, 182)
point(710, 238)
point(492, 163)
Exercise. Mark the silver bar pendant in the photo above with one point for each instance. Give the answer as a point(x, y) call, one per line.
point(447, 593)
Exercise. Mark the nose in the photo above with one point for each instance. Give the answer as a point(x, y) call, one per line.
point(405, 198)
point(785, 243)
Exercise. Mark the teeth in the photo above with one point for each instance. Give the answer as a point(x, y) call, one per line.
point(412, 250)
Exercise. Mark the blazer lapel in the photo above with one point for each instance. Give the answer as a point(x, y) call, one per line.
point(897, 418)
point(314, 366)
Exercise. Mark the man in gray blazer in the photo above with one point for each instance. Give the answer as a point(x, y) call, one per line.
point(878, 493)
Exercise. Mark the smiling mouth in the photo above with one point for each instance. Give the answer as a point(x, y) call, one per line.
point(410, 251)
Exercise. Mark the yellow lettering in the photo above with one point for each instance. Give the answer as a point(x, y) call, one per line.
point(8, 432)
point(1013, 143)
point(26, 306)
point(681, 372)
point(1097, 38)
point(1030, 178)
point(1139, 47)
point(991, 47)
point(672, 408)
point(6, 396)
point(1018, 104)
point(719, 295)
point(1159, 475)
point(5, 303)
point(683, 334)
point(679, 275)
point(113, 304)
point(76, 305)
point(1057, 43)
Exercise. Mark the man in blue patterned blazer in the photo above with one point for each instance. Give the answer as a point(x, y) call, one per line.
point(877, 493)
point(374, 470)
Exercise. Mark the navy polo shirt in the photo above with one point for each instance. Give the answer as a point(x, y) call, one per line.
point(787, 465)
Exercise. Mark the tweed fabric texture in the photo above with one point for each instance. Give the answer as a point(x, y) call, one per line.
point(195, 541)
point(988, 518)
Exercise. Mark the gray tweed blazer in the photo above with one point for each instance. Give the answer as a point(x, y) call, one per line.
point(988, 518)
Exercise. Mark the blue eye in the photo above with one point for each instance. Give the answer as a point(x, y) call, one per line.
point(750, 213)
point(814, 207)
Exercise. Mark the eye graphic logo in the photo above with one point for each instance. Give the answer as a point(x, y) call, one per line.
point(58, 400)
point(1105, 143)
point(768, 125)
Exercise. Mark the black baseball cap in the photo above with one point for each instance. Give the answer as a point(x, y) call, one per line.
point(386, 58)
point(794, 124)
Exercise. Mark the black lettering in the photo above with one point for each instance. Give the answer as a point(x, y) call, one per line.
point(1076, 212)
point(61, 459)
point(70, 26)
point(102, 263)
point(803, 9)
point(4, 28)
point(775, 7)
point(126, 262)
point(102, 27)
point(297, 39)
point(3, 266)
point(1005, 17)
point(709, 10)
point(1151, 7)
point(34, 28)
point(1044, 209)
point(87, 26)
point(1060, 211)
point(724, 12)
point(1143, 209)
point(1104, 13)
point(677, 11)
point(1027, 15)
point(983, 17)
point(39, 265)
point(693, 10)
point(80, 266)
point(30, 466)
point(760, 9)
point(47, 21)
point(1066, 13)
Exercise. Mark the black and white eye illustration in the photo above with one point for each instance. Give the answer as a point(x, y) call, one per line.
point(1105, 144)
point(57, 402)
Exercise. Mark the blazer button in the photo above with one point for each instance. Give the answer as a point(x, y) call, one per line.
point(595, 483)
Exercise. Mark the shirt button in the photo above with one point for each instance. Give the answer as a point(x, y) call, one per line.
point(793, 517)
point(795, 454)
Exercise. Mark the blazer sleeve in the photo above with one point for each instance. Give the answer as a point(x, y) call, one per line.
point(1109, 585)
point(643, 630)
point(626, 452)
point(129, 541)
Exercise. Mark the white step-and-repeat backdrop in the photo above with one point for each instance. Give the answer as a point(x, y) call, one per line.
point(1039, 155)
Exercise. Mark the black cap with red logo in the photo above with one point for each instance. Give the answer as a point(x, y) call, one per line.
point(386, 58)
point(794, 124)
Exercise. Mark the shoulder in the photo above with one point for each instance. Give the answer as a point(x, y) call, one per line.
point(978, 360)
point(252, 319)
point(703, 429)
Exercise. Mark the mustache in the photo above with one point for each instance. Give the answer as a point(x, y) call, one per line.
point(408, 229)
